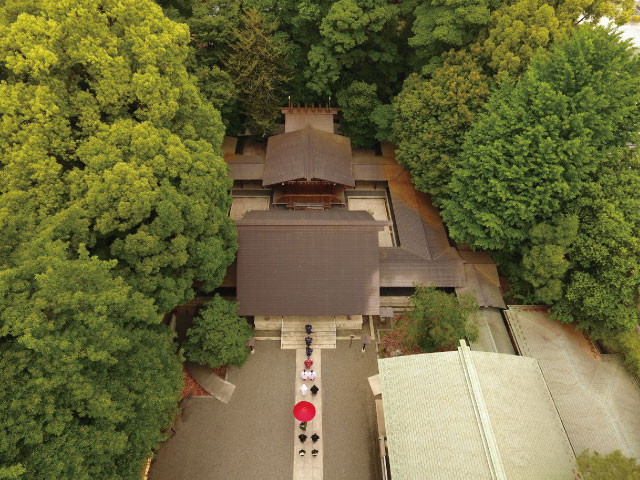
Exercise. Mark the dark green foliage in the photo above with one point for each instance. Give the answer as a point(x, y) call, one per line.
point(256, 66)
point(89, 374)
point(547, 179)
point(544, 263)
point(529, 156)
point(358, 103)
point(382, 118)
point(442, 24)
point(431, 117)
point(357, 45)
point(218, 335)
point(438, 320)
point(614, 466)
point(602, 290)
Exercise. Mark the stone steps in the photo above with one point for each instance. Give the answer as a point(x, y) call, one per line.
point(293, 335)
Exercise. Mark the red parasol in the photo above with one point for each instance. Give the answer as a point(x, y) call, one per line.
point(304, 411)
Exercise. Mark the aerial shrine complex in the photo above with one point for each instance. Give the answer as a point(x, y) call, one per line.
point(334, 233)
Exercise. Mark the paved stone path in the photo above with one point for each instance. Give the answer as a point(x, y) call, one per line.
point(308, 467)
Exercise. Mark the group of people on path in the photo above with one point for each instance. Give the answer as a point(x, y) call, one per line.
point(308, 375)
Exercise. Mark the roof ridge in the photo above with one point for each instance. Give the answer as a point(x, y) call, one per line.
point(489, 441)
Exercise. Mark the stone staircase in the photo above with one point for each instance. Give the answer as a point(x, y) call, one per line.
point(293, 334)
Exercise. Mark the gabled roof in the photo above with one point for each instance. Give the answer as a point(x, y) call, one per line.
point(308, 154)
point(472, 415)
point(308, 262)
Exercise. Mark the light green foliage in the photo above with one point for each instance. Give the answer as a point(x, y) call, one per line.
point(614, 466)
point(358, 103)
point(579, 11)
point(256, 66)
point(13, 472)
point(516, 31)
point(431, 117)
point(438, 320)
point(102, 124)
point(442, 24)
point(544, 262)
point(89, 375)
point(529, 156)
point(356, 45)
point(218, 335)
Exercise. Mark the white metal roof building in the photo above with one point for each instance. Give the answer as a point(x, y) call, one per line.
point(468, 414)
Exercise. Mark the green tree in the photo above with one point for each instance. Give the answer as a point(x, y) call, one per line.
point(545, 263)
point(437, 320)
point(431, 117)
point(256, 65)
point(529, 156)
point(516, 31)
point(440, 25)
point(382, 119)
point(103, 124)
point(358, 44)
point(89, 376)
point(358, 102)
point(218, 335)
point(579, 11)
point(613, 466)
point(602, 291)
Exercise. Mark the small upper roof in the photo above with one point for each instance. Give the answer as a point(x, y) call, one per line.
point(308, 154)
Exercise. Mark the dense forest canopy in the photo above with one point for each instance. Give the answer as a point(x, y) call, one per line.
point(113, 201)
point(515, 116)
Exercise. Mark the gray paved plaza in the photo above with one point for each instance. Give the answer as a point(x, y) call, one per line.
point(250, 437)
point(349, 419)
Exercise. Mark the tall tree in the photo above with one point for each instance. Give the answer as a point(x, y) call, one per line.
point(89, 376)
point(440, 25)
point(516, 31)
point(438, 320)
point(530, 155)
point(358, 102)
point(602, 289)
point(257, 68)
point(102, 124)
point(218, 335)
point(431, 117)
point(358, 44)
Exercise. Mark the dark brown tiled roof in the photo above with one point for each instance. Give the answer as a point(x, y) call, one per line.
point(308, 263)
point(246, 167)
point(401, 268)
point(308, 154)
